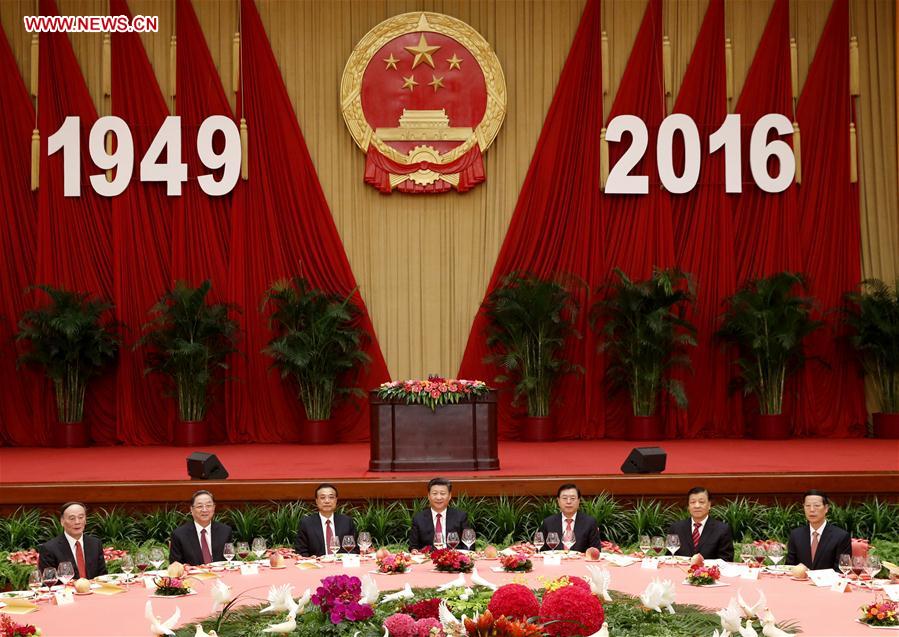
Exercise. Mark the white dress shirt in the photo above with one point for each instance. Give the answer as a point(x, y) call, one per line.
point(701, 525)
point(71, 542)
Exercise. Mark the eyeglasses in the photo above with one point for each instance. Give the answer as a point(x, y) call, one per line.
point(203, 507)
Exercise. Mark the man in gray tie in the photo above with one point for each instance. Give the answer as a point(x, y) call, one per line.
point(818, 544)
point(201, 540)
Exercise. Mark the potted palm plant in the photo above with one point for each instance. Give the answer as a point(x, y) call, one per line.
point(872, 314)
point(72, 339)
point(644, 331)
point(189, 340)
point(318, 342)
point(529, 320)
point(768, 320)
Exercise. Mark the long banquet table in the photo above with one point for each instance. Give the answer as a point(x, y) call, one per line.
point(819, 611)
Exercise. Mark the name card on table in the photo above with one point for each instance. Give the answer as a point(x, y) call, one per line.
point(840, 586)
point(892, 591)
point(249, 569)
point(352, 561)
point(64, 597)
point(751, 573)
point(733, 570)
point(552, 560)
point(824, 577)
point(650, 563)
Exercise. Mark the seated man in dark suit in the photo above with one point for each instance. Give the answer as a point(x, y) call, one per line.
point(702, 534)
point(316, 530)
point(586, 533)
point(439, 518)
point(84, 552)
point(201, 540)
point(817, 544)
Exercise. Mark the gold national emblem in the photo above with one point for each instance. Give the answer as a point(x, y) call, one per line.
point(423, 96)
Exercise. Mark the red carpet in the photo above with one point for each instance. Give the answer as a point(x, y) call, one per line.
point(271, 462)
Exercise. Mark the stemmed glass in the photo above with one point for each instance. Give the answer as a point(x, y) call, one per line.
point(858, 564)
point(452, 539)
point(334, 545)
point(348, 543)
point(746, 553)
point(48, 577)
point(127, 567)
point(157, 557)
point(872, 566)
point(142, 561)
point(776, 553)
point(65, 572)
point(845, 563)
point(552, 540)
point(439, 541)
point(538, 540)
point(228, 552)
point(364, 542)
point(469, 537)
point(658, 545)
point(34, 582)
point(759, 553)
point(568, 540)
point(243, 549)
point(672, 541)
point(644, 544)
point(259, 547)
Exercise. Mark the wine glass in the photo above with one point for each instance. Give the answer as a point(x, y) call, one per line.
point(142, 561)
point(658, 545)
point(259, 547)
point(34, 581)
point(872, 566)
point(845, 563)
point(127, 567)
point(243, 549)
point(48, 577)
point(858, 564)
point(348, 543)
point(439, 541)
point(759, 554)
point(538, 540)
point(568, 540)
point(228, 552)
point(157, 557)
point(65, 572)
point(644, 544)
point(776, 553)
point(334, 545)
point(452, 539)
point(746, 553)
point(364, 542)
point(469, 537)
point(552, 540)
point(672, 542)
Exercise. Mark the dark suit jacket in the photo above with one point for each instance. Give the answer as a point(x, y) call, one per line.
point(52, 552)
point(833, 542)
point(422, 532)
point(185, 545)
point(586, 533)
point(715, 543)
point(311, 539)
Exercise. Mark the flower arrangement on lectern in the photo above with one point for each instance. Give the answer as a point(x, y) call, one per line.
point(318, 342)
point(189, 340)
point(646, 335)
point(72, 339)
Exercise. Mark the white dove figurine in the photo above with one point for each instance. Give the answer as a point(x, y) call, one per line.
point(748, 630)
point(755, 610)
point(370, 592)
point(769, 625)
point(284, 627)
point(480, 581)
point(278, 597)
point(301, 603)
point(159, 627)
point(600, 579)
point(405, 593)
point(652, 596)
point(602, 632)
point(445, 615)
point(459, 582)
point(723, 633)
point(730, 617)
point(468, 592)
point(221, 595)
point(668, 595)
point(202, 633)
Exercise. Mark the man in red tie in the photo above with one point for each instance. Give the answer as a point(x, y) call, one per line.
point(84, 552)
point(819, 543)
point(440, 518)
point(202, 540)
point(569, 518)
point(701, 533)
point(317, 531)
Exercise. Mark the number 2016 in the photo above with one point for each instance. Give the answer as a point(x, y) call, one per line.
point(172, 170)
point(620, 181)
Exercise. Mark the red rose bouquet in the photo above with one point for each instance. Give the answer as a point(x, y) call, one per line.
point(570, 611)
point(516, 563)
point(514, 601)
point(394, 563)
point(883, 612)
point(451, 561)
point(703, 575)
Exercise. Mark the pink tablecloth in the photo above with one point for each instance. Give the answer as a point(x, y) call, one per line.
point(820, 612)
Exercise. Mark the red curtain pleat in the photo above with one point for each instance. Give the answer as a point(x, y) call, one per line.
point(282, 226)
point(639, 231)
point(20, 390)
point(704, 235)
point(831, 399)
point(142, 220)
point(74, 234)
point(555, 229)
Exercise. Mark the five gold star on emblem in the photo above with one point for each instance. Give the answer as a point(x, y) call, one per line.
point(409, 82)
point(454, 62)
point(422, 52)
point(391, 62)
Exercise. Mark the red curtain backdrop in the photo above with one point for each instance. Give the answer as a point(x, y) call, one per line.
point(555, 227)
point(831, 396)
point(281, 227)
point(704, 236)
point(141, 230)
point(639, 232)
point(19, 389)
point(74, 234)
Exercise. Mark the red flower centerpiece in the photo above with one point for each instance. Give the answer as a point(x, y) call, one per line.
point(451, 561)
point(516, 563)
point(699, 575)
point(171, 586)
point(514, 600)
point(424, 609)
point(571, 610)
point(393, 563)
point(883, 612)
point(9, 628)
point(432, 392)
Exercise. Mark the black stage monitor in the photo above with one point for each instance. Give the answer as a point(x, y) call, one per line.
point(205, 466)
point(645, 460)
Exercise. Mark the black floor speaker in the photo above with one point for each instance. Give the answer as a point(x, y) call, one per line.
point(645, 460)
point(205, 466)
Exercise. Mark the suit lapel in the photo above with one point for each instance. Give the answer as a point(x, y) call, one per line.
point(823, 548)
point(196, 553)
point(66, 551)
point(319, 534)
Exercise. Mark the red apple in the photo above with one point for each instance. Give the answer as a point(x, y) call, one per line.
point(697, 560)
point(382, 553)
point(592, 554)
